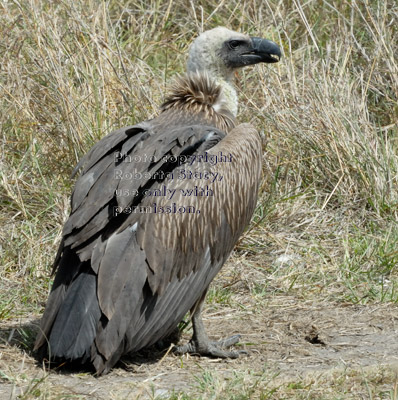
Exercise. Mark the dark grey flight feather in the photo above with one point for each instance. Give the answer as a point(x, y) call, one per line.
point(76, 323)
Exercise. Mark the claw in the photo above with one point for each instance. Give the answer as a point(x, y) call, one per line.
point(200, 343)
point(228, 342)
point(212, 349)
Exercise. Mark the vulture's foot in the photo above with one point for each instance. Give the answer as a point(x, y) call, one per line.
point(204, 347)
point(200, 343)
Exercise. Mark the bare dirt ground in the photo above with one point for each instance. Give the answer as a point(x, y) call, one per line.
point(288, 337)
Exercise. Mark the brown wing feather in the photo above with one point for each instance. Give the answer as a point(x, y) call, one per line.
point(189, 233)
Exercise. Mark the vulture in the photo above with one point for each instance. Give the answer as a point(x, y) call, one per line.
point(155, 213)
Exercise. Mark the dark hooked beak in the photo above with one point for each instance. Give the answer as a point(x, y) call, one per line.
point(264, 51)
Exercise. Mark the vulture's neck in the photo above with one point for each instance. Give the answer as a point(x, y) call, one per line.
point(198, 93)
point(228, 97)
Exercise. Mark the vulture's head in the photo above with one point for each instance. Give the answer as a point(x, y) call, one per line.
point(220, 51)
point(213, 58)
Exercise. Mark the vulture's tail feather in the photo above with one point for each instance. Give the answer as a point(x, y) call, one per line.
point(75, 326)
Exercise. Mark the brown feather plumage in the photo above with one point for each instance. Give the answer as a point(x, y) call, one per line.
point(198, 93)
point(171, 254)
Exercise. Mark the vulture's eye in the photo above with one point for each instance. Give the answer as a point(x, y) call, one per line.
point(233, 44)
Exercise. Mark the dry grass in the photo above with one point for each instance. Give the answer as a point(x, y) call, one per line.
point(326, 223)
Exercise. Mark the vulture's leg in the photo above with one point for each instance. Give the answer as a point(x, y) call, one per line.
point(200, 343)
